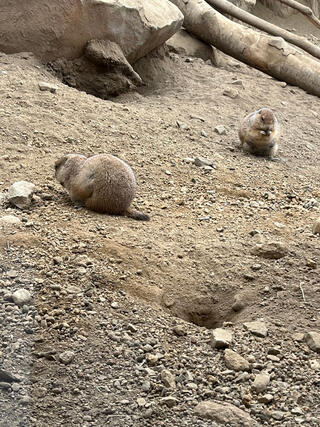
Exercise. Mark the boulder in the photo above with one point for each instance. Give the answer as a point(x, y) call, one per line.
point(137, 26)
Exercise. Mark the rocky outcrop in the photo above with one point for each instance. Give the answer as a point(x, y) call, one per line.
point(62, 28)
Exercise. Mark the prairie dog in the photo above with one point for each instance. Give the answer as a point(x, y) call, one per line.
point(259, 133)
point(103, 182)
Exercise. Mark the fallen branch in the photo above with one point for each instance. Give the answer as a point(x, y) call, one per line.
point(226, 7)
point(305, 10)
point(271, 55)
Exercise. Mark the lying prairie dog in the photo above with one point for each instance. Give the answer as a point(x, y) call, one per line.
point(259, 133)
point(103, 182)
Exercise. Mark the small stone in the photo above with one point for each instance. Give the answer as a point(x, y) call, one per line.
point(168, 379)
point(204, 133)
point(182, 125)
point(141, 402)
point(20, 194)
point(201, 161)
point(312, 339)
point(44, 86)
point(239, 303)
point(168, 300)
point(179, 331)
point(220, 130)
point(15, 387)
point(21, 297)
point(298, 336)
point(223, 413)
point(270, 250)
point(114, 305)
point(9, 220)
point(311, 264)
point(146, 386)
point(273, 358)
point(152, 359)
point(260, 383)
point(192, 116)
point(235, 362)
point(257, 328)
point(314, 364)
point(266, 398)
point(57, 260)
point(26, 400)
point(221, 338)
point(66, 357)
point(297, 411)
point(316, 227)
point(188, 160)
point(277, 415)
point(238, 82)
point(231, 93)
point(169, 401)
point(283, 84)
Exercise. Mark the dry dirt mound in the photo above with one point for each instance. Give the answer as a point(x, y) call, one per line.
point(113, 291)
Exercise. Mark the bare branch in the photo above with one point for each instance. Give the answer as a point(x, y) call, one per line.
point(226, 7)
point(305, 10)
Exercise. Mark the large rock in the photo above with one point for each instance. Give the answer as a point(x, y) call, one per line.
point(223, 413)
point(58, 28)
point(20, 194)
point(270, 250)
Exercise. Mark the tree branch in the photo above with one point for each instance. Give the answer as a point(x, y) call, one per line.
point(226, 7)
point(305, 10)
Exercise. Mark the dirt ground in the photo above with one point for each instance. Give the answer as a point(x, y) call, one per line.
point(193, 261)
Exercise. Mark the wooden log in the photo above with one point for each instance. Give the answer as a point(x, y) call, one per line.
point(271, 55)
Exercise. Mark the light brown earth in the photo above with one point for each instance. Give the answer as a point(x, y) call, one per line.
point(193, 260)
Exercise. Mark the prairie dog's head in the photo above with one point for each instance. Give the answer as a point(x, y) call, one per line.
point(67, 166)
point(265, 121)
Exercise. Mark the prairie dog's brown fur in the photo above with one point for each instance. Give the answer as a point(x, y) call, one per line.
point(259, 133)
point(103, 182)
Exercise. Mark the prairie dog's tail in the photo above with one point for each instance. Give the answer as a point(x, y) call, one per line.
point(134, 214)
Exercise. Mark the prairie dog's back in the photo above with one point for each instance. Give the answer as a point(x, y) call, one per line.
point(113, 181)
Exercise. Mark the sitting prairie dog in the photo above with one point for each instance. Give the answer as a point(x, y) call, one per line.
point(259, 133)
point(103, 182)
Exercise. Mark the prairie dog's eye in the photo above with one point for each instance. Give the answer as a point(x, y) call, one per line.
point(262, 118)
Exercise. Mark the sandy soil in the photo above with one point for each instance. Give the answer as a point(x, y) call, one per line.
point(195, 258)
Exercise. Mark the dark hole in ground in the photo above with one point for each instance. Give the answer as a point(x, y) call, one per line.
point(205, 312)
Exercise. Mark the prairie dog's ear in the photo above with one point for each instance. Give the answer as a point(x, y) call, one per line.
point(60, 162)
